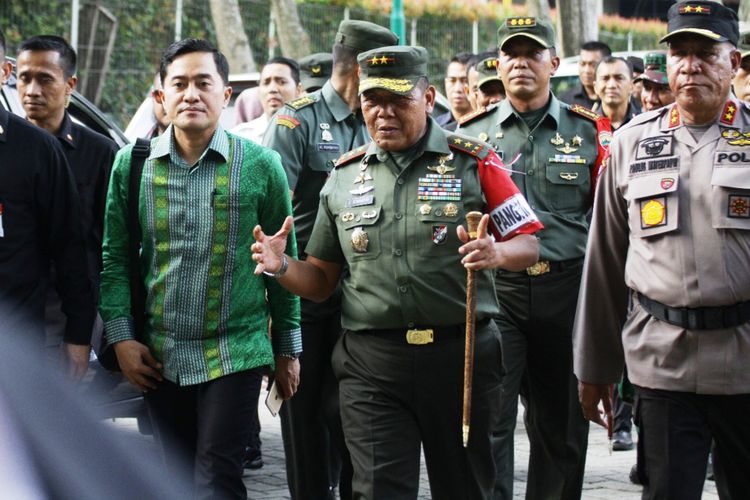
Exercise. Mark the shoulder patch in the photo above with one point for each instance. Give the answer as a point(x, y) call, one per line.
point(302, 102)
point(287, 121)
point(585, 112)
point(468, 145)
point(352, 155)
point(476, 114)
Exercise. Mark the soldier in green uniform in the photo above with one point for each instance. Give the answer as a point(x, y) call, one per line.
point(390, 213)
point(554, 151)
point(310, 133)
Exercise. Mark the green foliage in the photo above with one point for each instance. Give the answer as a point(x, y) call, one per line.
point(146, 28)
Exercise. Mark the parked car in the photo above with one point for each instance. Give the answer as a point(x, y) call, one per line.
point(115, 397)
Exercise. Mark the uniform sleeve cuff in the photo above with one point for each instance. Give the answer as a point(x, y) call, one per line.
point(119, 329)
point(286, 342)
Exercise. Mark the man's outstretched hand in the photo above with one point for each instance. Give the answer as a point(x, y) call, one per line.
point(267, 250)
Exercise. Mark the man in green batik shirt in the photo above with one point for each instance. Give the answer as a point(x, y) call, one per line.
point(310, 133)
point(206, 344)
point(555, 152)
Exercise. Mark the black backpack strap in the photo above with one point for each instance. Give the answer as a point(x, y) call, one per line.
point(141, 150)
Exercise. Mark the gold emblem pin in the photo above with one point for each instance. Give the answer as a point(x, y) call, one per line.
point(557, 140)
point(370, 214)
point(576, 140)
point(567, 149)
point(425, 209)
point(361, 178)
point(347, 217)
point(498, 135)
point(362, 190)
point(360, 241)
point(450, 210)
point(483, 137)
point(569, 176)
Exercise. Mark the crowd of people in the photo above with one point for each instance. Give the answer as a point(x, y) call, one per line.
point(322, 242)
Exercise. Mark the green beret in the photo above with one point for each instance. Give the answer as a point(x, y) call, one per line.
point(364, 35)
point(396, 68)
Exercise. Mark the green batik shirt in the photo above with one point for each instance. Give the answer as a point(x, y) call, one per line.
point(401, 247)
point(554, 165)
point(310, 133)
point(206, 312)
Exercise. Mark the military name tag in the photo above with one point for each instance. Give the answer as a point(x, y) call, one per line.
point(639, 167)
point(360, 201)
point(329, 147)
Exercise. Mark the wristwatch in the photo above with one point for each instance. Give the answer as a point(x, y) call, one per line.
point(282, 269)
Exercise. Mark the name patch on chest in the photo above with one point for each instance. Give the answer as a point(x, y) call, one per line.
point(640, 167)
point(512, 214)
point(329, 147)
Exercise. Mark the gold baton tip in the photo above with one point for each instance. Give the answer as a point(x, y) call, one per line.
point(472, 221)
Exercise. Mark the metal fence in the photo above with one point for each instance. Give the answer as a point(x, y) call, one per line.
point(119, 43)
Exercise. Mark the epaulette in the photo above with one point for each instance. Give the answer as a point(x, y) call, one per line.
point(476, 114)
point(352, 155)
point(469, 145)
point(303, 101)
point(585, 112)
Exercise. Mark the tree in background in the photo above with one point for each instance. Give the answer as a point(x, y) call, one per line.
point(231, 36)
point(578, 23)
point(294, 40)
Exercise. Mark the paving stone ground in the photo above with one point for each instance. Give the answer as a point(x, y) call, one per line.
point(606, 475)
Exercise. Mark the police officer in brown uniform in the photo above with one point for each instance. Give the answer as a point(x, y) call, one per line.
point(666, 286)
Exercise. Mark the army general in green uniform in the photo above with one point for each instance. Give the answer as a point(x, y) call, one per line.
point(390, 213)
point(310, 133)
point(555, 151)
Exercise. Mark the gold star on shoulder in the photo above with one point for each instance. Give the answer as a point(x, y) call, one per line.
point(468, 144)
point(457, 140)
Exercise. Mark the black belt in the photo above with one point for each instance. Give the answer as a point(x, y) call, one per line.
point(420, 335)
point(699, 318)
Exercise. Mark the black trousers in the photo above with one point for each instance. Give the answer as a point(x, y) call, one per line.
point(316, 456)
point(676, 429)
point(536, 323)
point(202, 430)
point(396, 398)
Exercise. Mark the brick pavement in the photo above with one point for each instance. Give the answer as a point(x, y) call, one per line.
point(606, 476)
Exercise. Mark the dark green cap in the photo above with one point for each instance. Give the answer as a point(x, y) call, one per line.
point(538, 29)
point(364, 35)
point(656, 68)
point(744, 44)
point(315, 70)
point(487, 69)
point(396, 68)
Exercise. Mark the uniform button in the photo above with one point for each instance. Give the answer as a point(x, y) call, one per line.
point(530, 172)
point(397, 252)
point(399, 215)
point(531, 138)
point(329, 164)
point(410, 324)
point(403, 288)
point(400, 182)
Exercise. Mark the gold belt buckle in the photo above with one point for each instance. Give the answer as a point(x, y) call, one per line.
point(541, 267)
point(419, 337)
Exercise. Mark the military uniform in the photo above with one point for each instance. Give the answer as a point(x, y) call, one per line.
point(555, 166)
point(665, 287)
point(310, 133)
point(391, 219)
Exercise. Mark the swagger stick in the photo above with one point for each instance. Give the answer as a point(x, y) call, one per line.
point(472, 221)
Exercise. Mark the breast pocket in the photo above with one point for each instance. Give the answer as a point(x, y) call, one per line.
point(436, 227)
point(653, 204)
point(569, 186)
point(359, 232)
point(730, 197)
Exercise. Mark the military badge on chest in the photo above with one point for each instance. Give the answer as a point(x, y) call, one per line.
point(738, 207)
point(326, 145)
point(362, 195)
point(439, 185)
point(566, 147)
point(653, 212)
